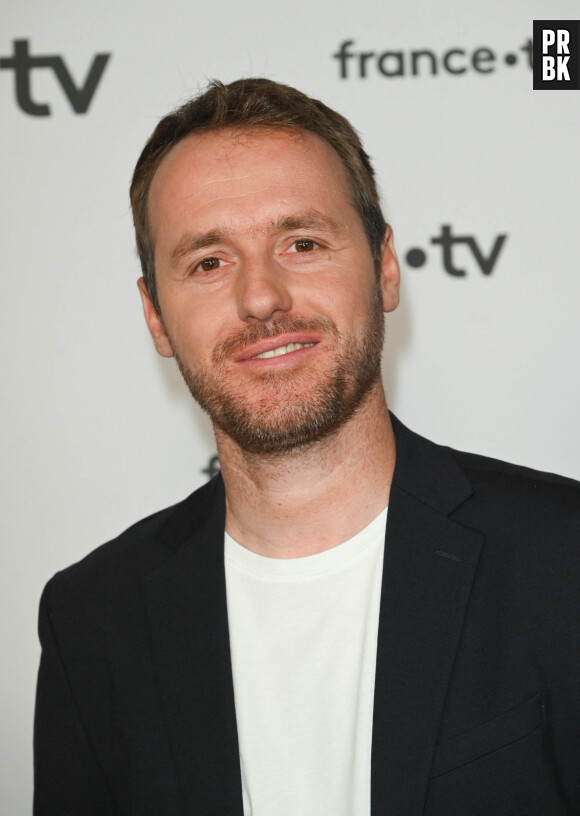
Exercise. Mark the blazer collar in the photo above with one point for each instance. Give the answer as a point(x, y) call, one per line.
point(186, 604)
point(428, 471)
point(430, 562)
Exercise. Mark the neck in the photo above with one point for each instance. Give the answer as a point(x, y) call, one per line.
point(312, 499)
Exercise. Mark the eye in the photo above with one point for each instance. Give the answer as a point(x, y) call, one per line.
point(305, 245)
point(208, 265)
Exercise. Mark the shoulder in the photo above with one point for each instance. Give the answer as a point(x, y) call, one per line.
point(531, 519)
point(114, 567)
point(514, 488)
point(420, 455)
point(485, 493)
point(509, 473)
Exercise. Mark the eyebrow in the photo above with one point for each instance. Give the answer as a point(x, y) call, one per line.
point(192, 243)
point(309, 219)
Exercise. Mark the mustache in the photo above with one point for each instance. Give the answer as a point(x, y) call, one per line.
point(252, 333)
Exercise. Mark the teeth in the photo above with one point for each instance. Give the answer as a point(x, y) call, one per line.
point(277, 352)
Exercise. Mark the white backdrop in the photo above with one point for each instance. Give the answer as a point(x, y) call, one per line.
point(97, 431)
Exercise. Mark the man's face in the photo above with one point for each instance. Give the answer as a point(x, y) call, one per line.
point(269, 298)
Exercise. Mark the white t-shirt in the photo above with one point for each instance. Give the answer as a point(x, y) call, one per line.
point(303, 642)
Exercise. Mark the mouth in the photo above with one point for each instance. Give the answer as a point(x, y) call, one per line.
point(282, 345)
point(281, 350)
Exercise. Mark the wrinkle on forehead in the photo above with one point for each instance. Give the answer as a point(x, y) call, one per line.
point(231, 142)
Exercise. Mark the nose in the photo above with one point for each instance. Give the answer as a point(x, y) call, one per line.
point(262, 289)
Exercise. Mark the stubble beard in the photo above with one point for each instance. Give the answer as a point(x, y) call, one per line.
point(283, 411)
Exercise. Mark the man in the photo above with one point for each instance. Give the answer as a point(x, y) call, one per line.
point(263, 647)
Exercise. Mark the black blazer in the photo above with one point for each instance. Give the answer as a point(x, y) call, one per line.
point(477, 698)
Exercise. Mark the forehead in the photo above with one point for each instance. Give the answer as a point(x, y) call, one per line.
point(244, 172)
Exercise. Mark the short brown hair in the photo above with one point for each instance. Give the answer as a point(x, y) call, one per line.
point(255, 102)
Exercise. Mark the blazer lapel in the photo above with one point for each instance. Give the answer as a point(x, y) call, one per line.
point(186, 603)
point(429, 566)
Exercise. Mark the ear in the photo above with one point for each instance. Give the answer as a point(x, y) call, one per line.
point(390, 274)
point(154, 322)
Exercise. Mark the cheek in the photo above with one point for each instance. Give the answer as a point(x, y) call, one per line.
point(348, 302)
point(183, 329)
point(196, 328)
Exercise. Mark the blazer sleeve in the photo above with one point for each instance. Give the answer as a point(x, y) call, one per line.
point(68, 780)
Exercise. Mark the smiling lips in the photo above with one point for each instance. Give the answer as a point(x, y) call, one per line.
point(270, 345)
point(292, 344)
point(280, 350)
